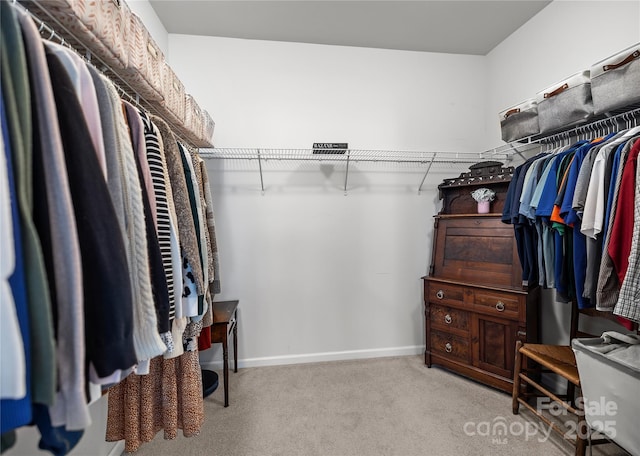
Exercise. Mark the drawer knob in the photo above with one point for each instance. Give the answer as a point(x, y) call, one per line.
point(448, 319)
point(440, 294)
point(447, 347)
point(500, 306)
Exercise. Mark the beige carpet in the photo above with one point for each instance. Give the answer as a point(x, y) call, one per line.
point(385, 406)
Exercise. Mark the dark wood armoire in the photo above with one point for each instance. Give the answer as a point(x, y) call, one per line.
point(475, 305)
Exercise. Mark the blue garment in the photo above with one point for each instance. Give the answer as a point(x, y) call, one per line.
point(550, 189)
point(524, 231)
point(57, 440)
point(15, 413)
point(566, 210)
point(570, 216)
point(535, 171)
point(508, 199)
point(560, 279)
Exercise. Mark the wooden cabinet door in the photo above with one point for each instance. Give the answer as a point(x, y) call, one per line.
point(477, 250)
point(493, 343)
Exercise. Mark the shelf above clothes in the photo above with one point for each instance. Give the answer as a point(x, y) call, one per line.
point(418, 160)
point(425, 160)
point(112, 39)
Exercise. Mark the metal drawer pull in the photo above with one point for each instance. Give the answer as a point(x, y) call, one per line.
point(500, 306)
point(440, 294)
point(448, 319)
point(448, 347)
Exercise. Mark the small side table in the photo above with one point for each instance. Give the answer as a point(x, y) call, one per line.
point(224, 323)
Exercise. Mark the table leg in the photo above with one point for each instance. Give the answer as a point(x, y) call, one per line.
point(235, 346)
point(225, 368)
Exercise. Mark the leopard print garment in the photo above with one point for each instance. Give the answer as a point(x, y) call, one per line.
point(169, 398)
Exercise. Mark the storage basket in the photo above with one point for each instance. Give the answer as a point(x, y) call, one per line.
point(173, 105)
point(609, 370)
point(615, 81)
point(209, 126)
point(193, 120)
point(144, 71)
point(102, 27)
point(520, 121)
point(565, 104)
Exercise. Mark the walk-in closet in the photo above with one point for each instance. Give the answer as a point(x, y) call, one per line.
point(252, 228)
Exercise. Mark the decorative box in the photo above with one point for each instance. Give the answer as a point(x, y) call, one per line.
point(144, 70)
point(565, 104)
point(209, 126)
point(520, 121)
point(615, 81)
point(102, 27)
point(174, 102)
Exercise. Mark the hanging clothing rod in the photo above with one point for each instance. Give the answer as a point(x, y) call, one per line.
point(353, 155)
point(417, 159)
point(50, 33)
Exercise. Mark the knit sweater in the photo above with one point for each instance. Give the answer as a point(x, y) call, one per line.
point(156, 267)
point(155, 160)
point(136, 132)
point(185, 221)
point(207, 319)
point(211, 226)
point(107, 286)
point(59, 239)
point(147, 341)
point(85, 90)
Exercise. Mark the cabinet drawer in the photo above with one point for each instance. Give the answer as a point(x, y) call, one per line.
point(503, 304)
point(450, 346)
point(449, 317)
point(440, 293)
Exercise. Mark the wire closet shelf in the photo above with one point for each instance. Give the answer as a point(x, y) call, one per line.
point(601, 125)
point(413, 159)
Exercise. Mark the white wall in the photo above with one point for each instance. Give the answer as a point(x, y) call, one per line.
point(320, 275)
point(275, 94)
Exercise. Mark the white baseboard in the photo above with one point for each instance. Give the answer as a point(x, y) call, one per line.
point(318, 357)
point(118, 449)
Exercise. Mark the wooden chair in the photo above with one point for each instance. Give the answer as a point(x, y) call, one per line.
point(534, 359)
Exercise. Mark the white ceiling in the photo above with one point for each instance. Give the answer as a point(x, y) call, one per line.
point(454, 26)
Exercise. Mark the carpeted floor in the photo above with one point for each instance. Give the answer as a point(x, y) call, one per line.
point(385, 406)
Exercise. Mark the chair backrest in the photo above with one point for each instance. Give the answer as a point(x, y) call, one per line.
point(591, 312)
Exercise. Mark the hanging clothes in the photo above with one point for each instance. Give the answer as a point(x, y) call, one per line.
point(582, 204)
point(17, 99)
point(96, 222)
point(57, 228)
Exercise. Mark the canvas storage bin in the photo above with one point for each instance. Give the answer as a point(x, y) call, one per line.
point(565, 104)
point(615, 81)
point(609, 369)
point(144, 71)
point(102, 27)
point(519, 121)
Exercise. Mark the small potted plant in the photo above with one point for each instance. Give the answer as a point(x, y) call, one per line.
point(483, 197)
